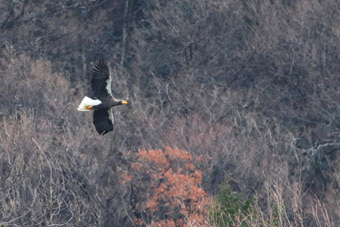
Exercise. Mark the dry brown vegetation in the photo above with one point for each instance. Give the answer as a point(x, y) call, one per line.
point(244, 92)
point(167, 189)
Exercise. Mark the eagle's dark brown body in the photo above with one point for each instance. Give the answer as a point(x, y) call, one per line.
point(107, 102)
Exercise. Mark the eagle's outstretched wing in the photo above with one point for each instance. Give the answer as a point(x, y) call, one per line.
point(101, 80)
point(103, 121)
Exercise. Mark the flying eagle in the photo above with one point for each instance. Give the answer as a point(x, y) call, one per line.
point(103, 99)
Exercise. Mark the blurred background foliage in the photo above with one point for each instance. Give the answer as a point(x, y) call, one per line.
point(249, 88)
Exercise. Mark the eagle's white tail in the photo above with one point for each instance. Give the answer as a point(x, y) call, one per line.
point(86, 102)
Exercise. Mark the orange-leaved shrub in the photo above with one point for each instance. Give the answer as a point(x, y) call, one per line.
point(167, 189)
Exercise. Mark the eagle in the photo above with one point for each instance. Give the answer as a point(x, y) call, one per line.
point(102, 101)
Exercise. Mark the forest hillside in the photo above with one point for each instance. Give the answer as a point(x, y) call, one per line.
point(233, 114)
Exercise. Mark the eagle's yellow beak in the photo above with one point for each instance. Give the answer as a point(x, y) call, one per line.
point(124, 102)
